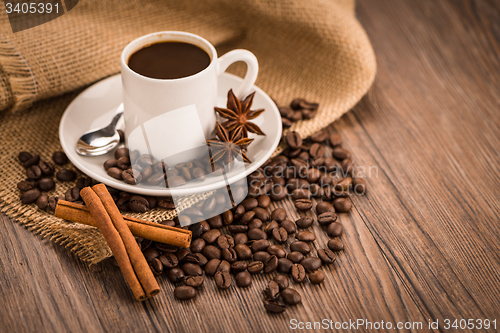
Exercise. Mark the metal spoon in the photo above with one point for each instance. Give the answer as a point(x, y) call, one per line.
point(100, 141)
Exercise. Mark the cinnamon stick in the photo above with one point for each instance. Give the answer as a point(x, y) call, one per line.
point(115, 243)
point(141, 267)
point(144, 229)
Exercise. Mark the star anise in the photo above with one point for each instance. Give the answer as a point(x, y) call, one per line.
point(239, 114)
point(228, 146)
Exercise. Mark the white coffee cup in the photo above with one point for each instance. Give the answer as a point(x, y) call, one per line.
point(170, 119)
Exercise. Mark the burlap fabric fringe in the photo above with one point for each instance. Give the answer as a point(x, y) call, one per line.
point(315, 49)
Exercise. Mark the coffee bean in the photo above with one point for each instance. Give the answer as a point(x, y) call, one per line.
point(32, 161)
point(274, 307)
point(243, 251)
point(262, 214)
point(240, 238)
point(303, 204)
point(72, 194)
point(176, 181)
point(327, 218)
point(300, 166)
point(327, 256)
point(83, 182)
point(304, 222)
point(166, 248)
point(317, 150)
point(131, 176)
point(301, 193)
point(270, 264)
point(150, 254)
point(278, 192)
point(347, 167)
point(243, 279)
point(229, 255)
point(184, 292)
point(335, 140)
point(216, 222)
point(192, 269)
point(24, 156)
point(300, 246)
point(343, 185)
point(278, 215)
point(110, 163)
point(26, 185)
point(123, 162)
point(276, 250)
point(34, 172)
point(202, 260)
point(212, 267)
point(282, 281)
point(280, 235)
point(249, 204)
point(247, 217)
point(239, 266)
point(268, 229)
point(255, 224)
point(359, 185)
point(46, 167)
point(260, 256)
point(311, 263)
point(225, 241)
point(302, 104)
point(342, 205)
point(193, 281)
point(156, 266)
point(227, 217)
point(319, 136)
point(223, 280)
point(138, 204)
point(289, 226)
point(211, 236)
point(295, 183)
point(291, 296)
point(182, 254)
point(166, 203)
point(331, 164)
point(335, 245)
point(284, 265)
point(273, 290)
point(211, 252)
point(255, 267)
point(323, 207)
point(306, 236)
point(317, 277)
point(260, 245)
point(335, 229)
point(256, 234)
point(340, 153)
point(52, 203)
point(121, 152)
point(295, 257)
point(42, 201)
point(264, 201)
point(298, 273)
point(66, 175)
point(169, 260)
point(293, 140)
point(237, 228)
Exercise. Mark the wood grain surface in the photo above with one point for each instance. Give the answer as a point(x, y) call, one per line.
point(423, 244)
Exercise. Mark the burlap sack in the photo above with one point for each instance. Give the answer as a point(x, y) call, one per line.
point(315, 49)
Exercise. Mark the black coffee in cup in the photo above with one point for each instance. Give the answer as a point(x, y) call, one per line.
point(169, 60)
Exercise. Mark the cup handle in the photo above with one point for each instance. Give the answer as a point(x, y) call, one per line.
point(252, 69)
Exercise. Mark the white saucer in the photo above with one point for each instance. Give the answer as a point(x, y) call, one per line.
point(95, 106)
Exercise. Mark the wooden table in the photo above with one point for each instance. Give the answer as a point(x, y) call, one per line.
point(423, 244)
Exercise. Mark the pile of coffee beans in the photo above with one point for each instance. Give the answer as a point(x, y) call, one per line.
point(299, 109)
point(255, 237)
point(133, 168)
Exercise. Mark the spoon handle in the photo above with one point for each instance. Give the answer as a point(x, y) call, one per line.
point(118, 115)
